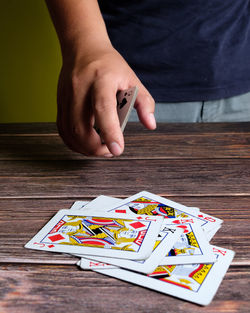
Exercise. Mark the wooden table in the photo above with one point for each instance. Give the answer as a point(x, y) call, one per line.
point(204, 165)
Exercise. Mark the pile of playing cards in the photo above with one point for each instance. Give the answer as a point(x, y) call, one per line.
point(145, 239)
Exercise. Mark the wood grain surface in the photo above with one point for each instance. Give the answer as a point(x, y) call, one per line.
point(202, 165)
point(33, 288)
point(168, 141)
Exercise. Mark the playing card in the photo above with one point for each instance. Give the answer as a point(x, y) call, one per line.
point(106, 204)
point(87, 264)
point(194, 209)
point(147, 203)
point(78, 205)
point(102, 202)
point(210, 234)
point(97, 202)
point(191, 247)
point(125, 103)
point(104, 234)
point(166, 237)
point(197, 283)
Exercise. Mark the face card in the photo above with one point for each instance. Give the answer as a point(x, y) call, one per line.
point(107, 204)
point(167, 236)
point(103, 234)
point(191, 247)
point(147, 203)
point(197, 283)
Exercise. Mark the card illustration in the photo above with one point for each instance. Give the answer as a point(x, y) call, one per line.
point(102, 234)
point(189, 276)
point(97, 232)
point(150, 204)
point(166, 237)
point(191, 247)
point(197, 283)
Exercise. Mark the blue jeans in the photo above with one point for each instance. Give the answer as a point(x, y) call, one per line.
point(235, 109)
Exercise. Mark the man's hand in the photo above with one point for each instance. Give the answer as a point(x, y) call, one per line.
point(87, 92)
point(92, 74)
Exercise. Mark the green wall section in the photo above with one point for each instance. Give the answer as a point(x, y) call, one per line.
point(30, 62)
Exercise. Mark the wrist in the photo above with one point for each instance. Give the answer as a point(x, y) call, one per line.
point(85, 49)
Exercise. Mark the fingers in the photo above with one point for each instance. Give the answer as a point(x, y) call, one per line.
point(145, 106)
point(104, 105)
point(79, 108)
point(83, 135)
point(75, 121)
point(88, 99)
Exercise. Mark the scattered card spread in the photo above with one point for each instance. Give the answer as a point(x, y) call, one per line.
point(145, 239)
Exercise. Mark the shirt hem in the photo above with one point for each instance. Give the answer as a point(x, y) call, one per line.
point(209, 94)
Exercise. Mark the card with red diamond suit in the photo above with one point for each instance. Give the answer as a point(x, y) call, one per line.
point(196, 282)
point(102, 234)
point(148, 203)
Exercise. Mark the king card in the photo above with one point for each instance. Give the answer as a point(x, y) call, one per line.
point(191, 247)
point(197, 283)
point(103, 234)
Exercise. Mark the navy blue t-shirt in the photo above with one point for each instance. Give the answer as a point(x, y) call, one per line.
point(184, 50)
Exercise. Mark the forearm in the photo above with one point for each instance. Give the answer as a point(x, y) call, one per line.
point(79, 25)
point(92, 74)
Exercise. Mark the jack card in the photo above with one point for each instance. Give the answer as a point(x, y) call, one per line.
point(103, 234)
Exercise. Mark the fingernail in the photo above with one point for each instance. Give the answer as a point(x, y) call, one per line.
point(108, 155)
point(152, 120)
point(115, 149)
